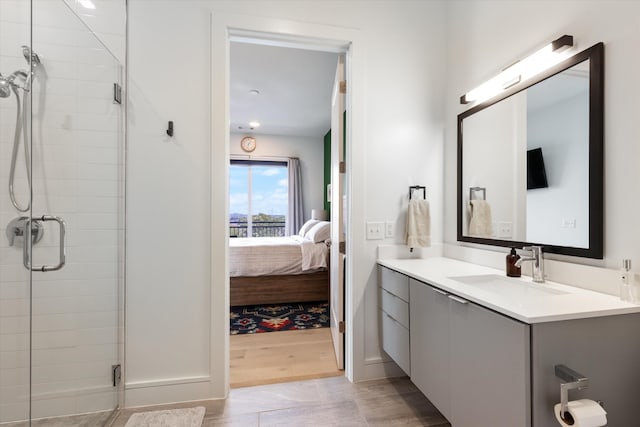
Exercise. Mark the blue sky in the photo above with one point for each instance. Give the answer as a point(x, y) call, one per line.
point(269, 189)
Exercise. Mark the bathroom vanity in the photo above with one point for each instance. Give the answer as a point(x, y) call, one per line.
point(482, 347)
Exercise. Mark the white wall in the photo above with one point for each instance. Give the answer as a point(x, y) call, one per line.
point(562, 131)
point(519, 27)
point(398, 132)
point(492, 144)
point(309, 150)
point(107, 20)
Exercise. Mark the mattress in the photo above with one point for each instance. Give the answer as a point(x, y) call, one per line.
point(262, 256)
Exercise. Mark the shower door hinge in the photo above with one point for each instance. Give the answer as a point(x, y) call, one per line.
point(341, 326)
point(117, 93)
point(343, 167)
point(116, 374)
point(343, 86)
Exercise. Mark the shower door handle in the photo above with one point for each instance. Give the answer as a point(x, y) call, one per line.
point(62, 256)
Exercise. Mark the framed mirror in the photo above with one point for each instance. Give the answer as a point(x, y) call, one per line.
point(530, 162)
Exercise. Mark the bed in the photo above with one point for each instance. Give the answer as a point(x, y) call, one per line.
point(270, 270)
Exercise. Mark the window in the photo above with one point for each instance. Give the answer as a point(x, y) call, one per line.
point(258, 198)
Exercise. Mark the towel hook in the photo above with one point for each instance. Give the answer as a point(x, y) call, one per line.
point(418, 187)
point(473, 190)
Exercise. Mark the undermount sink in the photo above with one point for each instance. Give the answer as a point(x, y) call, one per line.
point(508, 286)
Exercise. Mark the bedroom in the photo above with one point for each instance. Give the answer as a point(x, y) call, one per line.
point(280, 99)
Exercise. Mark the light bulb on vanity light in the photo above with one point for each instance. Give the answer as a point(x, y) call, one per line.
point(539, 61)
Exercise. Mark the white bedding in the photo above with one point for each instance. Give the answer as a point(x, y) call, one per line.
point(261, 256)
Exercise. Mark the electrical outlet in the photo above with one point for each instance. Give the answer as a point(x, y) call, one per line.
point(375, 230)
point(505, 229)
point(568, 223)
point(388, 229)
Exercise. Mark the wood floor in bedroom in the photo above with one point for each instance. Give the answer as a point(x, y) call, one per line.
point(284, 356)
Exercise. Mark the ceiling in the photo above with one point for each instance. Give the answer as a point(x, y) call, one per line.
point(295, 90)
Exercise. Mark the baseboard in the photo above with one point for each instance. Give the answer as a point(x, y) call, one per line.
point(175, 390)
point(374, 370)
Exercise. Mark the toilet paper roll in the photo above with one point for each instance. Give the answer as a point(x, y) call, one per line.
point(584, 412)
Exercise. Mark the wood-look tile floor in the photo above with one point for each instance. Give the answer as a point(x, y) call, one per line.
point(321, 402)
point(273, 357)
point(97, 419)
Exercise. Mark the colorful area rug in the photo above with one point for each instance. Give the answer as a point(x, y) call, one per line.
point(281, 317)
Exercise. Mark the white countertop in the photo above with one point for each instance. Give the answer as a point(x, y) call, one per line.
point(525, 301)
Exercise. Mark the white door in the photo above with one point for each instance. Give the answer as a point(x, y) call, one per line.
point(337, 272)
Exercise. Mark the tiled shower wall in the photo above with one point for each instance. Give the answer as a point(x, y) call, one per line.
point(78, 174)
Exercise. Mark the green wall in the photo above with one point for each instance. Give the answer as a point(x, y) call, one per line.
point(327, 171)
point(327, 161)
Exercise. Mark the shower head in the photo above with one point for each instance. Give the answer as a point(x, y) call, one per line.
point(5, 87)
point(7, 84)
point(30, 56)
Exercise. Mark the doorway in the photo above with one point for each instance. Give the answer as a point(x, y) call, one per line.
point(280, 109)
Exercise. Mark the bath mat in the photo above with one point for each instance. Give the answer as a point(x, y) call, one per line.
point(186, 417)
point(278, 317)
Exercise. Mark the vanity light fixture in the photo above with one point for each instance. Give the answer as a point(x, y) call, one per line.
point(522, 70)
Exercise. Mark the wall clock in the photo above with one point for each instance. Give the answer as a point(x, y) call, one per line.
point(248, 144)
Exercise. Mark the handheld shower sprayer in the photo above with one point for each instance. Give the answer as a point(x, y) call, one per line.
point(7, 85)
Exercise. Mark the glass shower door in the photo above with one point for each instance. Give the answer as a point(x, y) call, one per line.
point(78, 186)
point(62, 218)
point(15, 292)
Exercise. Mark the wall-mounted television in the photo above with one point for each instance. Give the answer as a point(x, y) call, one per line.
point(536, 173)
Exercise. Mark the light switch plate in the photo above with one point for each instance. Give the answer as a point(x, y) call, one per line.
point(375, 230)
point(388, 229)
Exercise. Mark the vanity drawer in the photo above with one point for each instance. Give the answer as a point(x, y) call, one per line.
point(396, 283)
point(395, 342)
point(396, 308)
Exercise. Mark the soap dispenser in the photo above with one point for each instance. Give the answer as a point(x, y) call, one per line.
point(512, 270)
point(625, 282)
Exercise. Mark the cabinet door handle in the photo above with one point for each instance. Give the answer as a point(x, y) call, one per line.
point(440, 291)
point(456, 299)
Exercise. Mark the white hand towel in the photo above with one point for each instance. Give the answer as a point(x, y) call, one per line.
point(418, 229)
point(480, 221)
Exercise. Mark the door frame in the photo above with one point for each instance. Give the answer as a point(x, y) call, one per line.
point(227, 27)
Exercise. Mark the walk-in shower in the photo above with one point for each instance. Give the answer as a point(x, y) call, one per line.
point(61, 218)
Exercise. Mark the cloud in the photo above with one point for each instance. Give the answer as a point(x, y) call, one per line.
point(283, 183)
point(272, 171)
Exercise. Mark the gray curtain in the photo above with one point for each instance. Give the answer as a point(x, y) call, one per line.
point(295, 218)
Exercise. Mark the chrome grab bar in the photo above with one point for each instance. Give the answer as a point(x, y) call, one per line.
point(25, 250)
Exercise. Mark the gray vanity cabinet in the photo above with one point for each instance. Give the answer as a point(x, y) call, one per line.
point(430, 344)
point(394, 311)
point(489, 367)
point(471, 363)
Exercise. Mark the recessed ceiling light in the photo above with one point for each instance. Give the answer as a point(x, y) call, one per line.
point(254, 92)
point(254, 124)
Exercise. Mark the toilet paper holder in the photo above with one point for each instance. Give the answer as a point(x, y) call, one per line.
point(573, 380)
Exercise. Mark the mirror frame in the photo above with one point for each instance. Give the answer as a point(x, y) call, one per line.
point(596, 155)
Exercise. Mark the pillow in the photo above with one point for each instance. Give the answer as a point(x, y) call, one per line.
point(319, 232)
point(307, 226)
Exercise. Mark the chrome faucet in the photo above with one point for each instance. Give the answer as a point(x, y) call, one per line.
point(537, 261)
